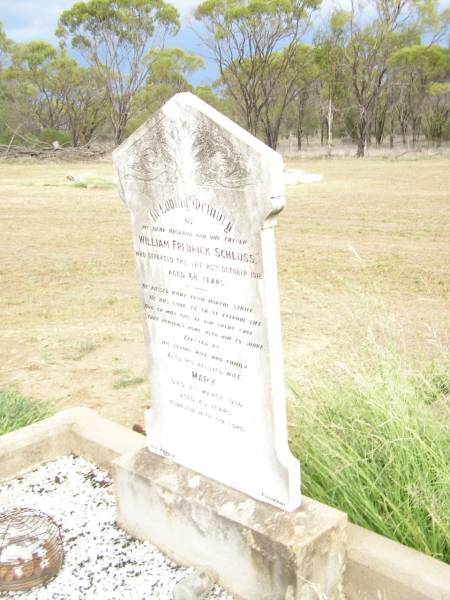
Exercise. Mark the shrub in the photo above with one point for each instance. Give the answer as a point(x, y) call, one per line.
point(55, 135)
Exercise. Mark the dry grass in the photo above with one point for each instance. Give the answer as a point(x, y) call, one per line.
point(374, 233)
point(371, 242)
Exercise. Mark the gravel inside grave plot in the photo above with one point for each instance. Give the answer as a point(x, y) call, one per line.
point(101, 560)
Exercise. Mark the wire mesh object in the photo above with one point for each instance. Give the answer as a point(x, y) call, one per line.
point(31, 549)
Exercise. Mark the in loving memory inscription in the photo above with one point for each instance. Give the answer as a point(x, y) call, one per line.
point(203, 194)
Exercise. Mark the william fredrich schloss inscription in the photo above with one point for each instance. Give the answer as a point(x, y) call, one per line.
point(203, 195)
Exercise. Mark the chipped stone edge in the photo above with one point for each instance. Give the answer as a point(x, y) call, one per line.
point(376, 566)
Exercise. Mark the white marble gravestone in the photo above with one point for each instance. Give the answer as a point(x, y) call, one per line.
point(203, 196)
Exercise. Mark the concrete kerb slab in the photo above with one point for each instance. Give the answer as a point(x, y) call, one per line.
point(77, 430)
point(258, 551)
point(376, 567)
point(381, 569)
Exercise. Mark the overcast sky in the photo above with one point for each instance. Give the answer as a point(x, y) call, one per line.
point(26, 20)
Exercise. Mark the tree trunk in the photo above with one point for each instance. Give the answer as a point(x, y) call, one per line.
point(121, 125)
point(404, 129)
point(362, 131)
point(330, 125)
point(416, 129)
point(391, 132)
point(301, 103)
point(379, 126)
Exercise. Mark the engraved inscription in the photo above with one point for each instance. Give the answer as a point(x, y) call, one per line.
point(212, 344)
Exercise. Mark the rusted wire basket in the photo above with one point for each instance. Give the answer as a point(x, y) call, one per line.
point(31, 549)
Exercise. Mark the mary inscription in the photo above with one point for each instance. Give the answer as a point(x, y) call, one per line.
point(203, 195)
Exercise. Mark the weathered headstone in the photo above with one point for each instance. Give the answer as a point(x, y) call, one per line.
point(203, 196)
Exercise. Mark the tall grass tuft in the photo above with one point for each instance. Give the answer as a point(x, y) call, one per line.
point(17, 411)
point(372, 432)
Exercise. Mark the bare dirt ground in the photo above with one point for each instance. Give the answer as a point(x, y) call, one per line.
point(368, 248)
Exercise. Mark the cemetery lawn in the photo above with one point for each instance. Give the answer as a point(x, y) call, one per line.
point(364, 272)
point(367, 247)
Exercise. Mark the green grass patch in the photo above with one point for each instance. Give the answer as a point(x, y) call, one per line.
point(126, 379)
point(97, 183)
point(372, 432)
point(18, 411)
point(100, 183)
point(81, 350)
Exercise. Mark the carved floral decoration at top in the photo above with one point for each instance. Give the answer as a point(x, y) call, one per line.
point(162, 157)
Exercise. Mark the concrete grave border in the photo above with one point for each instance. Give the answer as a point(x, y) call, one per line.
point(376, 567)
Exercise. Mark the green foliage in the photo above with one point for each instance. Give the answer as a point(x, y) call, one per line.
point(373, 435)
point(207, 94)
point(169, 70)
point(439, 88)
point(254, 43)
point(5, 47)
point(3, 37)
point(366, 72)
point(36, 82)
point(35, 55)
point(338, 21)
point(18, 411)
point(172, 66)
point(55, 135)
point(446, 130)
point(428, 61)
point(234, 10)
point(86, 22)
point(50, 91)
point(126, 379)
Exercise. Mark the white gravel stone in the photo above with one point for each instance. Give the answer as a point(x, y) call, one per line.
point(101, 560)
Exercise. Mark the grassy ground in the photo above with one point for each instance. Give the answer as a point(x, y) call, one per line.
point(364, 265)
point(372, 430)
point(372, 238)
point(18, 411)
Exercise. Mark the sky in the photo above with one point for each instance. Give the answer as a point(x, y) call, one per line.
point(26, 20)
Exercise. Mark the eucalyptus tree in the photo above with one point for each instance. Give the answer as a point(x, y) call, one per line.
point(172, 67)
point(254, 43)
point(329, 56)
point(293, 88)
point(34, 75)
point(84, 99)
point(437, 112)
point(55, 91)
point(6, 100)
point(114, 37)
point(415, 69)
point(369, 45)
point(305, 74)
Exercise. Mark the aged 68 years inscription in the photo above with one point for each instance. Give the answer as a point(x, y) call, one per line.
point(203, 195)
